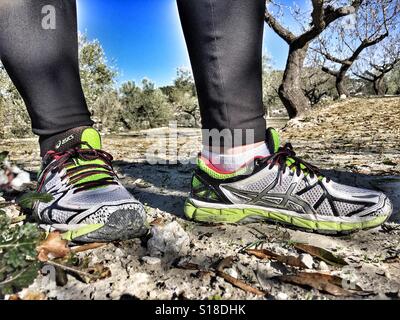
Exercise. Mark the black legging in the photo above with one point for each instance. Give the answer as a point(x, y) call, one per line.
point(224, 39)
point(43, 63)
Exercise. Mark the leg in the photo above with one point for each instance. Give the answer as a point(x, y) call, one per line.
point(43, 63)
point(224, 39)
point(89, 203)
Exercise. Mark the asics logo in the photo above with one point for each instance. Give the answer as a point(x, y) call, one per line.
point(64, 141)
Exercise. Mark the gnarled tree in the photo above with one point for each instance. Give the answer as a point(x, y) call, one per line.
point(343, 44)
point(323, 14)
point(378, 63)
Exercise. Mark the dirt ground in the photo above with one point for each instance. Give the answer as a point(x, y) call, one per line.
point(356, 141)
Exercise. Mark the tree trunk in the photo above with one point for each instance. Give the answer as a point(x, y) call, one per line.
point(290, 91)
point(379, 86)
point(340, 83)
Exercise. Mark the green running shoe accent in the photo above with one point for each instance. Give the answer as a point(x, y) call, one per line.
point(217, 175)
point(285, 189)
point(233, 215)
point(90, 204)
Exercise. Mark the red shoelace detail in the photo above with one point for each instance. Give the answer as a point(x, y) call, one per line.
point(286, 154)
point(57, 161)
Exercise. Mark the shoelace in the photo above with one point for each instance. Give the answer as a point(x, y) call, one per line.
point(286, 158)
point(59, 161)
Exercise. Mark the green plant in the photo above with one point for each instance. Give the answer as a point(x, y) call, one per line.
point(18, 264)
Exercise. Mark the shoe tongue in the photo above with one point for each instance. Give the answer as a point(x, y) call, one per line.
point(71, 138)
point(92, 138)
point(273, 140)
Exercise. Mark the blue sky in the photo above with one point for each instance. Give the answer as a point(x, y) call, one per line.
point(144, 38)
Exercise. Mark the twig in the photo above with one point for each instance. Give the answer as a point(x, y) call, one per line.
point(240, 284)
point(14, 277)
point(86, 247)
point(70, 269)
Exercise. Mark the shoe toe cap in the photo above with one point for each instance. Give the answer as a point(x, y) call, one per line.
point(121, 224)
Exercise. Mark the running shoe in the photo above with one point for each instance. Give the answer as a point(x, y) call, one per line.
point(89, 202)
point(285, 189)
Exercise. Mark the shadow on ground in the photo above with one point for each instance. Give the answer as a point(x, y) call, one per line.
point(165, 187)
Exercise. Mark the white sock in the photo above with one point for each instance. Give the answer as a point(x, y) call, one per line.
point(232, 162)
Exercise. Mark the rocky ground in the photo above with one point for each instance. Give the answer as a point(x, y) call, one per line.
point(356, 141)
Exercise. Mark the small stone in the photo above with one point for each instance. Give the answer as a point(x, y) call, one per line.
point(169, 240)
point(282, 296)
point(381, 273)
point(307, 260)
point(151, 260)
point(119, 252)
point(323, 266)
point(232, 272)
point(20, 180)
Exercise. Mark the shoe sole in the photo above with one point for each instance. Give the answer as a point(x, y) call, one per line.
point(241, 214)
point(121, 225)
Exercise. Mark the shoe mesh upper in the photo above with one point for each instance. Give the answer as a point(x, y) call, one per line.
point(313, 195)
point(348, 189)
point(325, 208)
point(106, 194)
point(345, 208)
point(282, 186)
point(261, 184)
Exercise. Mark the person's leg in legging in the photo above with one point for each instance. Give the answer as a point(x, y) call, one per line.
point(41, 57)
point(224, 40)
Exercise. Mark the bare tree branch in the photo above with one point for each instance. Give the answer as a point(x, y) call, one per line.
point(280, 30)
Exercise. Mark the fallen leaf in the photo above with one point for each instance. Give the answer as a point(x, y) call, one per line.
point(322, 254)
point(34, 296)
point(53, 247)
point(320, 281)
point(267, 254)
point(188, 266)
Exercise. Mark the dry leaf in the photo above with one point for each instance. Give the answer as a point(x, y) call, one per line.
point(322, 254)
point(34, 296)
point(267, 254)
point(188, 266)
point(53, 247)
point(320, 281)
